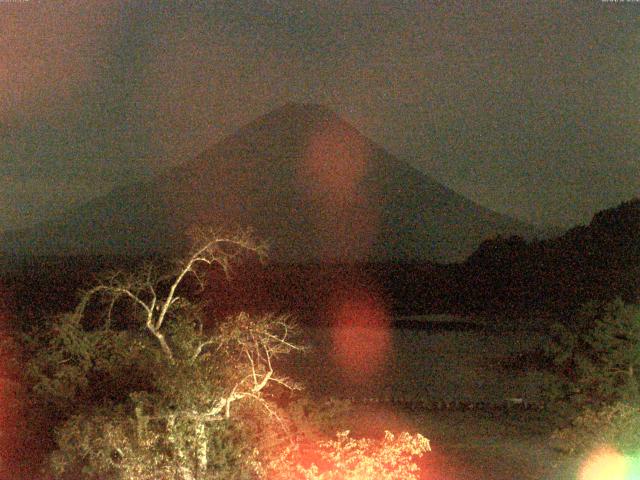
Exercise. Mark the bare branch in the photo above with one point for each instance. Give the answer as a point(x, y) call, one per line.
point(210, 248)
point(199, 349)
point(253, 366)
point(283, 341)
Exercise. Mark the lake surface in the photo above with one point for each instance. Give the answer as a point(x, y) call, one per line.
point(435, 361)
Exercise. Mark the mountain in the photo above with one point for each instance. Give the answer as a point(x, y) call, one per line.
point(303, 179)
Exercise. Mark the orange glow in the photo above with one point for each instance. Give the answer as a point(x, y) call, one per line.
point(605, 464)
point(48, 55)
point(11, 398)
point(361, 337)
point(332, 173)
point(335, 161)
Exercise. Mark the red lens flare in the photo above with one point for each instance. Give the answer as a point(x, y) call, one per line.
point(335, 162)
point(332, 175)
point(11, 414)
point(361, 337)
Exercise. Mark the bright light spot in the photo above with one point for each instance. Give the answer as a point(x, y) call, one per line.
point(634, 468)
point(607, 464)
point(361, 337)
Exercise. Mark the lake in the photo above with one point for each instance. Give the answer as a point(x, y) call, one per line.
point(418, 357)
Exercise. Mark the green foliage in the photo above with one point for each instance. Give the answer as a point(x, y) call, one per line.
point(124, 411)
point(111, 443)
point(70, 364)
point(136, 388)
point(596, 358)
point(616, 425)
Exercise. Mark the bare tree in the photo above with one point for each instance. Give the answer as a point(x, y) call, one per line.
point(143, 289)
point(200, 376)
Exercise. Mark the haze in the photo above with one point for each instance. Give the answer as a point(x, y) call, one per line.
point(530, 109)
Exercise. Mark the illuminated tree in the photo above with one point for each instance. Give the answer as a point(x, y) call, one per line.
point(141, 389)
point(347, 458)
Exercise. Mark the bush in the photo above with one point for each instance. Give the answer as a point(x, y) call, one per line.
point(137, 388)
point(595, 358)
point(616, 425)
point(596, 366)
point(346, 458)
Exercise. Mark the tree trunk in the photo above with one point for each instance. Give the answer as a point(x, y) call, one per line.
point(201, 450)
point(183, 469)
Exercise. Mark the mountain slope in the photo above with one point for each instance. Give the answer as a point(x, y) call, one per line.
point(303, 179)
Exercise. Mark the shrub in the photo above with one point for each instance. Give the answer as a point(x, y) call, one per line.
point(346, 458)
point(137, 388)
point(616, 425)
point(596, 357)
point(596, 362)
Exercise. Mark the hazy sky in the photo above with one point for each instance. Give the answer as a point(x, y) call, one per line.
point(531, 108)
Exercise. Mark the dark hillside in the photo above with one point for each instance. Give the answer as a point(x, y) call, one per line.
point(502, 278)
point(599, 261)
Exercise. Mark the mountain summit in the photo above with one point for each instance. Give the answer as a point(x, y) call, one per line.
point(303, 179)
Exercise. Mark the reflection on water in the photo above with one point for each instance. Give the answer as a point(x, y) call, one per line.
point(440, 361)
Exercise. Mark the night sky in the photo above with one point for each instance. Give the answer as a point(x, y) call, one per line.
point(531, 108)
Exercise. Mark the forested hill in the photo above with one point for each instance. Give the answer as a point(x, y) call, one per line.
point(593, 262)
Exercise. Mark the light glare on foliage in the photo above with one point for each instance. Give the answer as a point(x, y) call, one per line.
point(608, 464)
